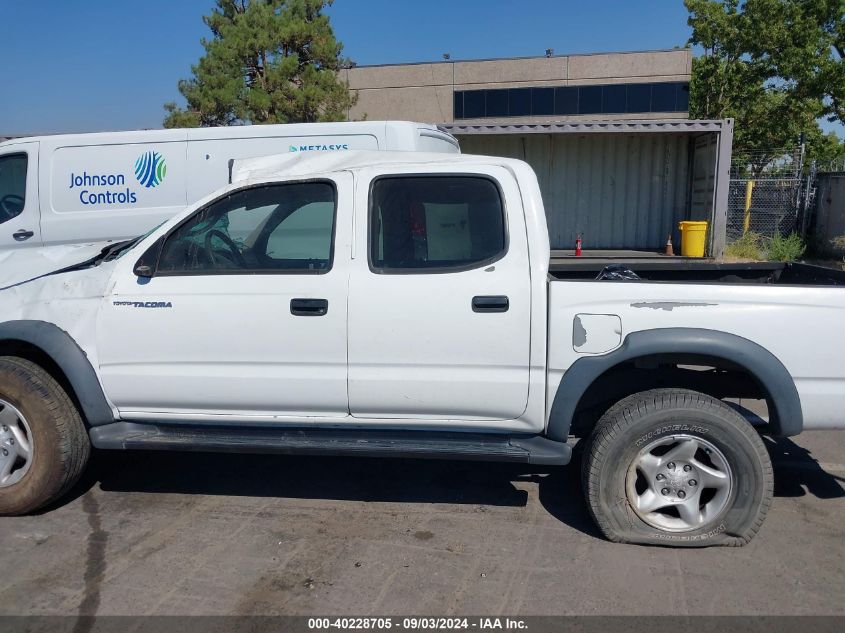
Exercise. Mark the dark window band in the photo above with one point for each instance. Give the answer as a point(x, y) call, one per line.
point(572, 100)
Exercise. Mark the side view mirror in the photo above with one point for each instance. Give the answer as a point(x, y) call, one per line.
point(146, 264)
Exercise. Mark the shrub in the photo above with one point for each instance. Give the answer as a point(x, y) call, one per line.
point(749, 246)
point(785, 249)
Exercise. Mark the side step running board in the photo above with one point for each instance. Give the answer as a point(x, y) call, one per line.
point(530, 449)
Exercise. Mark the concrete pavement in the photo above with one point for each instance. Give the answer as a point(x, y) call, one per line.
point(157, 533)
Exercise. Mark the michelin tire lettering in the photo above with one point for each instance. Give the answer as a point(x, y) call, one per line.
point(719, 529)
point(674, 428)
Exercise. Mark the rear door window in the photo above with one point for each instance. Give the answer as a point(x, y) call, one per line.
point(435, 223)
point(12, 186)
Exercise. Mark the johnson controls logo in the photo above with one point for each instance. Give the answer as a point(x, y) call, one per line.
point(116, 188)
point(150, 169)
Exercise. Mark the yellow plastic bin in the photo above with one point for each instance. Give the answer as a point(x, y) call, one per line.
point(693, 238)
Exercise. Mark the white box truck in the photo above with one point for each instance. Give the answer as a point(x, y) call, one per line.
point(74, 188)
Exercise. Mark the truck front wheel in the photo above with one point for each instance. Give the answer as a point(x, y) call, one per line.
point(676, 467)
point(43, 442)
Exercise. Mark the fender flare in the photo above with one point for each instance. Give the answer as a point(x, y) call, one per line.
point(66, 353)
point(785, 415)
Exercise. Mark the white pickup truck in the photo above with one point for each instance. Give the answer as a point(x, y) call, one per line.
point(402, 304)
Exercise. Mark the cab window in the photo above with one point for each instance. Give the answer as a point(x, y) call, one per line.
point(435, 223)
point(271, 228)
point(12, 186)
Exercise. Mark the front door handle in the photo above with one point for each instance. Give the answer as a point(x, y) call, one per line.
point(496, 303)
point(309, 307)
point(23, 235)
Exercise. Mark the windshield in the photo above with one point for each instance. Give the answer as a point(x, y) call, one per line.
point(119, 249)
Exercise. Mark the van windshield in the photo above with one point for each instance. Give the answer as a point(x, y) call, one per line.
point(12, 186)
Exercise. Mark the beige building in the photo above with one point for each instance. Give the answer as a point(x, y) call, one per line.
point(641, 85)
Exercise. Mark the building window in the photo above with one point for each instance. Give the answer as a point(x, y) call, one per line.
point(566, 100)
point(614, 99)
point(459, 105)
point(542, 101)
point(638, 98)
point(663, 97)
point(497, 102)
point(474, 106)
point(572, 100)
point(589, 99)
point(519, 102)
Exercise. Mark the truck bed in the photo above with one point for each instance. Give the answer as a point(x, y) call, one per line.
point(702, 271)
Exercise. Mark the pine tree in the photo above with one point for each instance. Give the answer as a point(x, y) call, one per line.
point(268, 61)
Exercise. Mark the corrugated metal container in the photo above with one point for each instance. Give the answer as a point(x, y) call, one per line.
point(622, 184)
point(619, 191)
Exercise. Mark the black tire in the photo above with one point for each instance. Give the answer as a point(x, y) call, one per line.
point(59, 439)
point(639, 421)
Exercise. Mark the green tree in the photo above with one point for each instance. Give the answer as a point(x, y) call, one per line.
point(803, 42)
point(268, 61)
point(733, 78)
point(826, 150)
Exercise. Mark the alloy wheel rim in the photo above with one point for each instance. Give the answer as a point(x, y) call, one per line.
point(679, 483)
point(16, 446)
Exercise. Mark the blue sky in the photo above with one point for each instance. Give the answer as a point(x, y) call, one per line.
point(108, 65)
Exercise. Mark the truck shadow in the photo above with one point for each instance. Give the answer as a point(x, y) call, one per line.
point(798, 473)
point(308, 477)
point(338, 478)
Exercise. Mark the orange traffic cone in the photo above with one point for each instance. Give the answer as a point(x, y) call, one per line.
point(669, 250)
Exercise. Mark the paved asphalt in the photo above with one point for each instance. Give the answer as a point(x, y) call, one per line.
point(154, 533)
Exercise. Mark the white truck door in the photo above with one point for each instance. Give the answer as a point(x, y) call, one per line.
point(245, 315)
point(19, 212)
point(440, 297)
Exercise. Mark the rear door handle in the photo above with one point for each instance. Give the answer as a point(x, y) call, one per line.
point(23, 235)
point(496, 303)
point(309, 307)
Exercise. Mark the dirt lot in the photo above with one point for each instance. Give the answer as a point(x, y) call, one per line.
point(227, 534)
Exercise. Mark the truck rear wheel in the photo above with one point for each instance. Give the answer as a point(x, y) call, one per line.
point(676, 467)
point(43, 442)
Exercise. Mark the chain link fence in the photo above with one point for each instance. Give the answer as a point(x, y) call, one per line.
point(769, 193)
